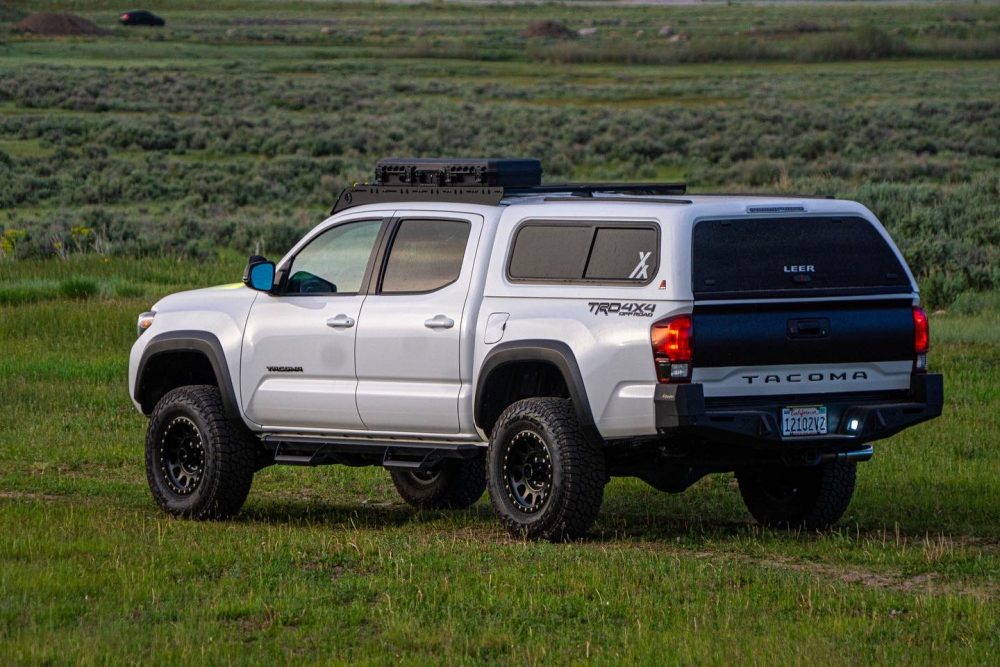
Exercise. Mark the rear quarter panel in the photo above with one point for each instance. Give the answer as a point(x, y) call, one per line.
point(612, 348)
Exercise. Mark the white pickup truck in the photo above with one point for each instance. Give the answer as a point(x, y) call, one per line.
point(467, 328)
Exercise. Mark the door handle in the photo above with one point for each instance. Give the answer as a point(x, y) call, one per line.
point(439, 322)
point(340, 322)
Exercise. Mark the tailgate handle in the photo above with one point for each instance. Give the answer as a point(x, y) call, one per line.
point(809, 328)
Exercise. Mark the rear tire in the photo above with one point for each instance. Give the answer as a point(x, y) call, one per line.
point(545, 477)
point(813, 498)
point(453, 485)
point(199, 464)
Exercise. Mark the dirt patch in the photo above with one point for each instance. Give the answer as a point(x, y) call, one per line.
point(27, 495)
point(929, 583)
point(57, 25)
point(551, 29)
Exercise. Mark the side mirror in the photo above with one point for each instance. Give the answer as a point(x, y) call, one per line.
point(259, 274)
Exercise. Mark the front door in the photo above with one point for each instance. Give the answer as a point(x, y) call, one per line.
point(409, 331)
point(297, 369)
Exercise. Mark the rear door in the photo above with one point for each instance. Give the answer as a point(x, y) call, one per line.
point(799, 305)
point(408, 341)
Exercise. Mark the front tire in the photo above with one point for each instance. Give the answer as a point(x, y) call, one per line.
point(199, 464)
point(813, 498)
point(452, 485)
point(545, 477)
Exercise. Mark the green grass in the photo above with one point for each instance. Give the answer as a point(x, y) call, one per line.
point(237, 140)
point(328, 565)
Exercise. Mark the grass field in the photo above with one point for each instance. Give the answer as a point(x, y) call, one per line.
point(145, 162)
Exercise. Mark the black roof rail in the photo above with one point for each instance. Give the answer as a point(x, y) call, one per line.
point(590, 189)
point(773, 195)
point(359, 195)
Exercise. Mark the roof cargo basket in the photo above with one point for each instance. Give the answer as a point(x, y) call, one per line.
point(489, 172)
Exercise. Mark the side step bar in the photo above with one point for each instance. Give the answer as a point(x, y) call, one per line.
point(409, 455)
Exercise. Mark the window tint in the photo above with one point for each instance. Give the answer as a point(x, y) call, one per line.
point(550, 252)
point(426, 255)
point(622, 254)
point(582, 252)
point(748, 257)
point(335, 261)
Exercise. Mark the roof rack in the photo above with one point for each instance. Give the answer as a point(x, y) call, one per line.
point(483, 181)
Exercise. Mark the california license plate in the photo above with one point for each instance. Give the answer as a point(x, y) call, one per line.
point(805, 420)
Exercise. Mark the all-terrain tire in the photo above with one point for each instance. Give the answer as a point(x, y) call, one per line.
point(813, 498)
point(199, 464)
point(453, 485)
point(545, 477)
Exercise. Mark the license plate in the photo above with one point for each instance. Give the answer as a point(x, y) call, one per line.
point(806, 420)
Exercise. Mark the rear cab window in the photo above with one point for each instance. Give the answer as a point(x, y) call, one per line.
point(585, 252)
point(425, 256)
point(744, 258)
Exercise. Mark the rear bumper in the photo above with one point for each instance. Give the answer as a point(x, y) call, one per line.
point(681, 410)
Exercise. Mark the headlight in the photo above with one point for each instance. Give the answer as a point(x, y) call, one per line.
point(145, 321)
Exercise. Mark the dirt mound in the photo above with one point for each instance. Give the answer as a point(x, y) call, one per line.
point(46, 23)
point(549, 29)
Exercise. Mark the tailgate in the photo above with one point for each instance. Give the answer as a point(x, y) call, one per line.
point(754, 349)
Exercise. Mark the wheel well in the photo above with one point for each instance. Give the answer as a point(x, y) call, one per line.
point(169, 370)
point(514, 381)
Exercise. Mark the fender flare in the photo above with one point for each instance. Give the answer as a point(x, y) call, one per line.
point(192, 341)
point(555, 352)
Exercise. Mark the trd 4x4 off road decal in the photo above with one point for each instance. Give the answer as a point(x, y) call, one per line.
point(622, 309)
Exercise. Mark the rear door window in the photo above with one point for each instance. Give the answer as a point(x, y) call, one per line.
point(585, 253)
point(746, 258)
point(425, 256)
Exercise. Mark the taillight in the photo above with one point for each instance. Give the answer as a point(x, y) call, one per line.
point(672, 340)
point(921, 339)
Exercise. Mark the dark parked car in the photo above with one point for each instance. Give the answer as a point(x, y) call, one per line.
point(140, 17)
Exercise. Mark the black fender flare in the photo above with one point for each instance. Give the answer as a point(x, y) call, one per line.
point(192, 341)
point(555, 352)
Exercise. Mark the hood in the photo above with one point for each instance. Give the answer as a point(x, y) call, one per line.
point(222, 297)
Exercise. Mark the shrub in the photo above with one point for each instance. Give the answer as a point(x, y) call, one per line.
point(866, 43)
point(78, 287)
point(940, 289)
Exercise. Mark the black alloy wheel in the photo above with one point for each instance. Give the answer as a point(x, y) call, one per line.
point(527, 471)
point(181, 455)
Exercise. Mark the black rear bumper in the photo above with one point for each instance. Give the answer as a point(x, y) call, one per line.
point(682, 410)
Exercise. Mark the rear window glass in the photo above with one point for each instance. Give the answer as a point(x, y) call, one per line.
point(425, 256)
point(551, 252)
point(591, 252)
point(747, 257)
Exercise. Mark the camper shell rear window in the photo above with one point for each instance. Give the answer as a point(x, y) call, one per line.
point(783, 257)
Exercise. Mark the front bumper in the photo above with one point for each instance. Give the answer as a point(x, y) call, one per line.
point(682, 410)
